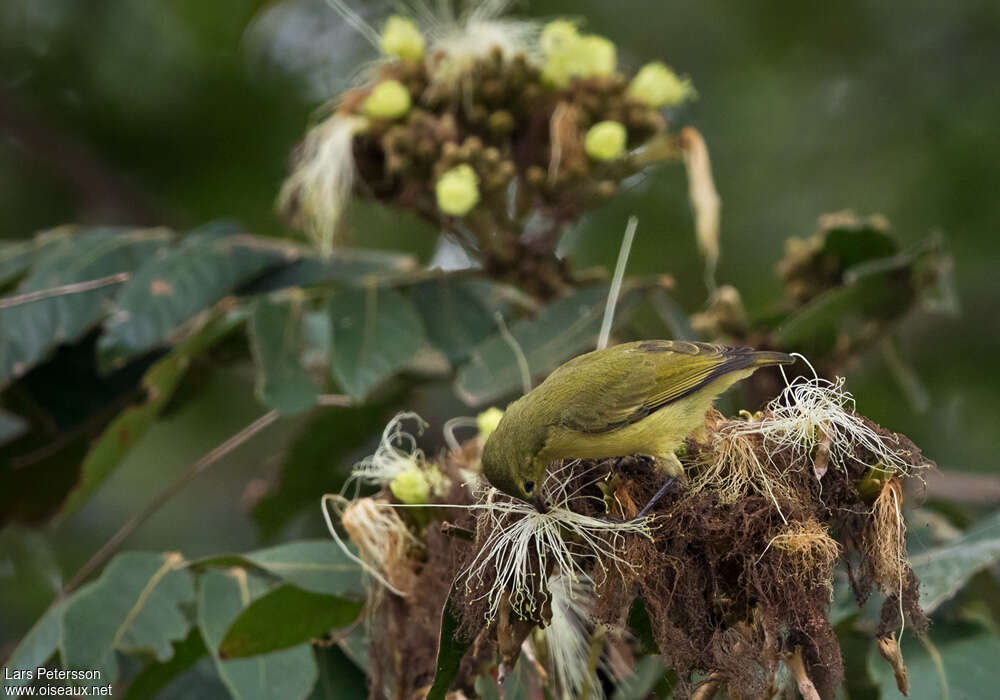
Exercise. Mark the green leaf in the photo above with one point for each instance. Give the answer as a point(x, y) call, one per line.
point(160, 384)
point(455, 317)
point(451, 647)
point(11, 426)
point(376, 332)
point(961, 664)
point(320, 455)
point(875, 292)
point(851, 245)
point(38, 645)
point(339, 678)
point(356, 648)
point(289, 674)
point(286, 617)
point(561, 330)
point(173, 288)
point(352, 265)
point(134, 606)
point(157, 675)
point(944, 570)
point(16, 258)
point(200, 681)
point(30, 330)
point(872, 295)
point(319, 566)
point(276, 337)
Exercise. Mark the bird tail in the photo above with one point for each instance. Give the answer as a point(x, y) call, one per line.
point(768, 358)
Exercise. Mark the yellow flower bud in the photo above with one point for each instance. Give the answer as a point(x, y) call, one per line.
point(658, 86)
point(487, 421)
point(411, 487)
point(388, 100)
point(605, 141)
point(402, 38)
point(458, 191)
point(597, 56)
point(557, 36)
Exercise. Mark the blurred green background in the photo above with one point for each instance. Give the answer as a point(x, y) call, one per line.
point(178, 111)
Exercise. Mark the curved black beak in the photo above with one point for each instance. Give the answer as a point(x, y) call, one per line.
point(539, 504)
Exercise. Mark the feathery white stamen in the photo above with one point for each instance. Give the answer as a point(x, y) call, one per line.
point(379, 534)
point(397, 452)
point(810, 411)
point(475, 30)
point(321, 183)
point(568, 639)
point(517, 553)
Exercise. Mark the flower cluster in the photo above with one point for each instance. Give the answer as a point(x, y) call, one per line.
point(480, 124)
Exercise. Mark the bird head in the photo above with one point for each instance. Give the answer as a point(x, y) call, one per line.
point(509, 464)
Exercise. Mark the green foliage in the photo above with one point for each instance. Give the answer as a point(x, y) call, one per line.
point(171, 289)
point(376, 332)
point(944, 570)
point(451, 649)
point(319, 566)
point(181, 125)
point(561, 330)
point(958, 662)
point(276, 337)
point(291, 673)
point(159, 383)
point(285, 617)
point(135, 606)
point(159, 674)
point(28, 332)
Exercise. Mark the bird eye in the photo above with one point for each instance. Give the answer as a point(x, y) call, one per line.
point(529, 486)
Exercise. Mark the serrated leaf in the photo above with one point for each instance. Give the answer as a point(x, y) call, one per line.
point(944, 570)
point(319, 566)
point(561, 330)
point(339, 678)
point(961, 664)
point(376, 332)
point(29, 331)
point(134, 606)
point(16, 258)
point(454, 316)
point(277, 339)
point(289, 674)
point(157, 675)
point(160, 382)
point(451, 647)
point(283, 618)
point(174, 287)
point(352, 265)
point(38, 645)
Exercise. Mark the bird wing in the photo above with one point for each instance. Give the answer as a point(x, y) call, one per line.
point(610, 392)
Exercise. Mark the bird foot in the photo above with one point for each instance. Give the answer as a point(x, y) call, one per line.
point(649, 506)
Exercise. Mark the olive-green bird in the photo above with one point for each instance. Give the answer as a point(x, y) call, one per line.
point(636, 398)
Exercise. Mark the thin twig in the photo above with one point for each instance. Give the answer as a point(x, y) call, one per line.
point(61, 290)
point(616, 283)
point(109, 548)
point(333, 400)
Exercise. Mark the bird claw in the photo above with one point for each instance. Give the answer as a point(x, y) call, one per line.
point(649, 506)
